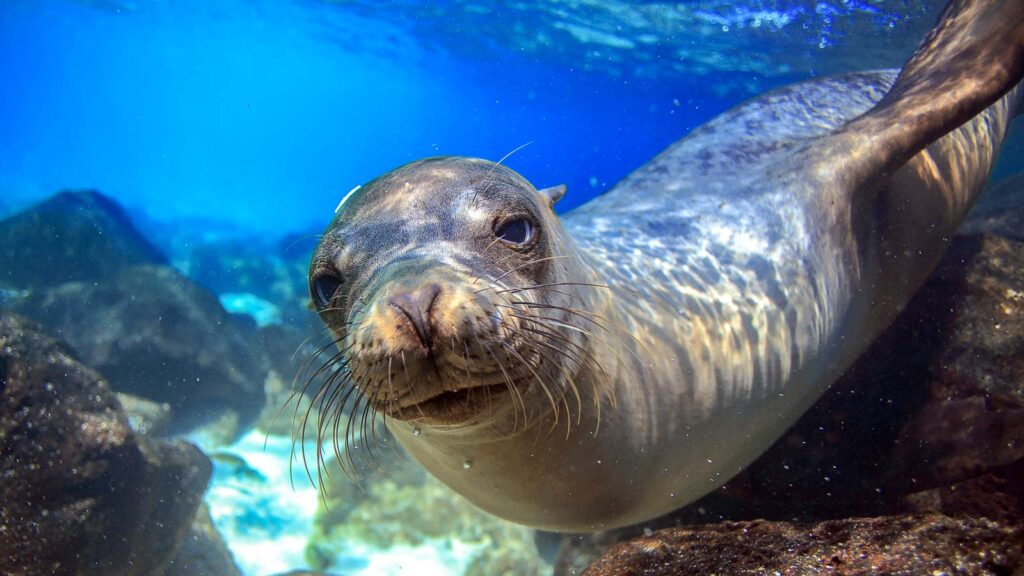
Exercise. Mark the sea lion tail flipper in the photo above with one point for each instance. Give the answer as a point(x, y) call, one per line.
point(973, 56)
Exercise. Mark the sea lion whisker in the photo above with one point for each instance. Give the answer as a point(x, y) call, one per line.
point(328, 384)
point(335, 411)
point(347, 463)
point(521, 266)
point(554, 405)
point(367, 421)
point(569, 311)
point(355, 431)
point(618, 330)
point(301, 345)
point(511, 383)
point(294, 393)
point(570, 354)
point(465, 356)
point(332, 364)
point(556, 322)
point(562, 338)
point(550, 284)
point(391, 389)
point(301, 238)
point(329, 364)
point(511, 388)
point(349, 434)
point(332, 344)
point(498, 163)
point(568, 375)
point(579, 312)
point(336, 359)
point(598, 394)
point(323, 418)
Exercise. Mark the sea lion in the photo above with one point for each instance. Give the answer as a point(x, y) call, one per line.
point(597, 370)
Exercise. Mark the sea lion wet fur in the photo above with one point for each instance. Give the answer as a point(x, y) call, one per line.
point(635, 354)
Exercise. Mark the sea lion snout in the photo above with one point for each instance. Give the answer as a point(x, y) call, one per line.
point(432, 346)
point(416, 305)
point(420, 314)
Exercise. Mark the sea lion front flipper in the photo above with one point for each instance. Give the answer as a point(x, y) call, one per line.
point(973, 56)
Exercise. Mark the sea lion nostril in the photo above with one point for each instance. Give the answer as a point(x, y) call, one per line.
point(416, 305)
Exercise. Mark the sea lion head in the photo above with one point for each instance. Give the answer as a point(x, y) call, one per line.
point(448, 286)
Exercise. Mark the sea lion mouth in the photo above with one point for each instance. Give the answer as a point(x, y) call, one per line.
point(452, 406)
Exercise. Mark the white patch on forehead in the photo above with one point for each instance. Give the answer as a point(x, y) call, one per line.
point(347, 196)
point(446, 173)
point(466, 206)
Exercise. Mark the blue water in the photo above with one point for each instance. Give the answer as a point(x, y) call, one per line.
point(264, 113)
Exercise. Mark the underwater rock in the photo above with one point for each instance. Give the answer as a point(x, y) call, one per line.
point(155, 334)
point(1000, 210)
point(145, 416)
point(74, 236)
point(203, 551)
point(907, 544)
point(80, 491)
point(252, 274)
point(929, 419)
point(998, 496)
point(250, 266)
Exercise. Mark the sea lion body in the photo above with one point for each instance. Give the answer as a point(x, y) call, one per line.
point(718, 291)
point(748, 293)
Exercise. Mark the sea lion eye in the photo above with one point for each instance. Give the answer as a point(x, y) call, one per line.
point(325, 287)
point(517, 231)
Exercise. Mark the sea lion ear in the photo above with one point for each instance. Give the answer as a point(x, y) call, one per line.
point(553, 194)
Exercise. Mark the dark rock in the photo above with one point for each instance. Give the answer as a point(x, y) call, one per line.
point(80, 492)
point(203, 551)
point(255, 267)
point(242, 265)
point(73, 236)
point(291, 347)
point(908, 544)
point(146, 417)
point(1000, 210)
point(155, 334)
point(997, 495)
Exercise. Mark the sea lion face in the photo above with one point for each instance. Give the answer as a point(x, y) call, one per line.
point(439, 281)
